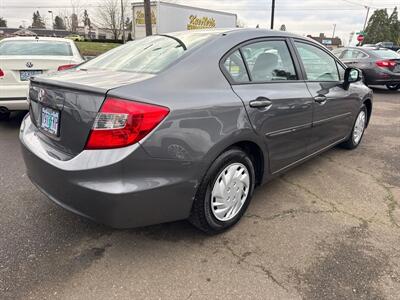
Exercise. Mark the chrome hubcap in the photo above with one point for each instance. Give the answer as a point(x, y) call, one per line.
point(230, 191)
point(359, 127)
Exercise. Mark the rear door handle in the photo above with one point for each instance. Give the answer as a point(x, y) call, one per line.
point(260, 102)
point(320, 99)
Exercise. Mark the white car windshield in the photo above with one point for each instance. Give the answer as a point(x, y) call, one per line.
point(35, 47)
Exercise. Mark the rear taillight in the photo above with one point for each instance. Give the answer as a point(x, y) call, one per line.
point(66, 67)
point(1, 73)
point(386, 63)
point(122, 122)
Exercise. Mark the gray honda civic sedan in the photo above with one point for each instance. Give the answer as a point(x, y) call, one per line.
point(186, 125)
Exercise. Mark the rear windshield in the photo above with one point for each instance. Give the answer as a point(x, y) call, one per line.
point(148, 55)
point(387, 54)
point(35, 47)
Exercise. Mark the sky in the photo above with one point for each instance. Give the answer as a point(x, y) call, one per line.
point(300, 16)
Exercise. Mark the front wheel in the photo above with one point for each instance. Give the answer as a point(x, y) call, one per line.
point(357, 131)
point(225, 192)
point(393, 87)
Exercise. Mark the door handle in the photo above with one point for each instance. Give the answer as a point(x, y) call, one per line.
point(320, 99)
point(260, 102)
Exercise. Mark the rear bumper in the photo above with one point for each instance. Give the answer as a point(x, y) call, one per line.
point(14, 97)
point(376, 77)
point(122, 188)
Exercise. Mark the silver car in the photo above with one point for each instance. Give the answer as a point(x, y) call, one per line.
point(186, 125)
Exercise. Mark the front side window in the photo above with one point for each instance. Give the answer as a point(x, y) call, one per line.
point(235, 67)
point(35, 47)
point(269, 61)
point(318, 65)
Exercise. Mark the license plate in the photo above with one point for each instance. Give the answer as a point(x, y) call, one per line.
point(49, 120)
point(25, 75)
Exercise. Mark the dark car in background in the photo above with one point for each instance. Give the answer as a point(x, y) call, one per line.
point(185, 125)
point(380, 66)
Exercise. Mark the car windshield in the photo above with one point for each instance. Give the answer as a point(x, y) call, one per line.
point(386, 54)
point(35, 47)
point(148, 55)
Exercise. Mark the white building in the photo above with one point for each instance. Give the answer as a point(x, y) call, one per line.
point(169, 17)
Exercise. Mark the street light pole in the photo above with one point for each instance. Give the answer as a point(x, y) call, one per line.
point(272, 14)
point(147, 17)
point(334, 29)
point(52, 19)
point(366, 17)
point(123, 21)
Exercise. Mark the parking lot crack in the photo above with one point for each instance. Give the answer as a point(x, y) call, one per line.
point(289, 213)
point(243, 259)
point(391, 203)
point(334, 208)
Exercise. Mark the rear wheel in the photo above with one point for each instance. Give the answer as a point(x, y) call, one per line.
point(225, 192)
point(358, 130)
point(4, 113)
point(393, 87)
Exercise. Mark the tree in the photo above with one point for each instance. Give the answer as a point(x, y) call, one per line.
point(74, 22)
point(37, 21)
point(128, 24)
point(59, 23)
point(283, 27)
point(3, 22)
point(86, 19)
point(394, 25)
point(109, 15)
point(378, 29)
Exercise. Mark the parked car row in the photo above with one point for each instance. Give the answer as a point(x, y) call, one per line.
point(380, 66)
point(24, 57)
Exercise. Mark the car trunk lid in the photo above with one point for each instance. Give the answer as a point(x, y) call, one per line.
point(64, 106)
point(18, 69)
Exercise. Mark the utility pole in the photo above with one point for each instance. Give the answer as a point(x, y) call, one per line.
point(123, 21)
point(52, 19)
point(147, 17)
point(334, 29)
point(272, 14)
point(366, 17)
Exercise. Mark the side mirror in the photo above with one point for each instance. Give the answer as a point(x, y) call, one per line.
point(351, 75)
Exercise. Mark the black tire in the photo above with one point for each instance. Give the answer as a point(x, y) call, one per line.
point(4, 114)
point(350, 143)
point(201, 215)
point(393, 87)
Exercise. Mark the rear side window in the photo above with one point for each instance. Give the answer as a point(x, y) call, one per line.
point(318, 64)
point(269, 61)
point(353, 54)
point(35, 47)
point(235, 67)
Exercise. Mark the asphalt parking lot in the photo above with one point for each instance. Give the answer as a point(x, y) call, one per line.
point(329, 229)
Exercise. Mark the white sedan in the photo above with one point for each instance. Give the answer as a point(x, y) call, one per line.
point(23, 57)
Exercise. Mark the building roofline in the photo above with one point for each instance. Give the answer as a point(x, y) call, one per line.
point(138, 4)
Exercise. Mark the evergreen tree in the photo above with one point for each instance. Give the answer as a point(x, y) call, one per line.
point(283, 27)
point(378, 29)
point(3, 22)
point(394, 25)
point(86, 19)
point(37, 21)
point(59, 23)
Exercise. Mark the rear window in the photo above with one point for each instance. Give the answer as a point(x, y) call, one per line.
point(35, 47)
point(387, 54)
point(148, 55)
